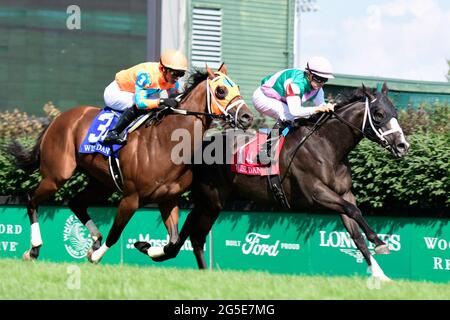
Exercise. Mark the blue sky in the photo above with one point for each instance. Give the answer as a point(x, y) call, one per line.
point(406, 39)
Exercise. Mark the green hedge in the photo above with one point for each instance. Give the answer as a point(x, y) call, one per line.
point(15, 181)
point(418, 182)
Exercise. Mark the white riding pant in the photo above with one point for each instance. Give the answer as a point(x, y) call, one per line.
point(117, 99)
point(271, 107)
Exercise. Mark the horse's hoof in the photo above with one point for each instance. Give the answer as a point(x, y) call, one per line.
point(26, 256)
point(170, 252)
point(382, 249)
point(31, 254)
point(89, 256)
point(142, 246)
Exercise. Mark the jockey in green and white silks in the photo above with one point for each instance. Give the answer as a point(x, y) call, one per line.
point(282, 95)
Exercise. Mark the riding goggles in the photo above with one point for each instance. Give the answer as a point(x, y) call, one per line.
point(317, 79)
point(176, 73)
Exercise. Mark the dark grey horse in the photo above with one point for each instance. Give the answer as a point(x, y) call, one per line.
point(316, 176)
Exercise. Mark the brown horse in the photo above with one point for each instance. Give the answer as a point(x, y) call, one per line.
point(149, 173)
point(316, 174)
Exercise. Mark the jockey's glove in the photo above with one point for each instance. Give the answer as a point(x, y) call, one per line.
point(326, 107)
point(168, 102)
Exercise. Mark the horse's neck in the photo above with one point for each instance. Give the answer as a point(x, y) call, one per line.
point(352, 113)
point(334, 135)
point(343, 137)
point(195, 101)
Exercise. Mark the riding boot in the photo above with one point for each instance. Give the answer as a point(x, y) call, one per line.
point(265, 154)
point(117, 135)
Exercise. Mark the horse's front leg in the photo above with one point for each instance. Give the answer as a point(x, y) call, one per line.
point(329, 199)
point(353, 229)
point(127, 207)
point(170, 215)
point(94, 193)
point(381, 247)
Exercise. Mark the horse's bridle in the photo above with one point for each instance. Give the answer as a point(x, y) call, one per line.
point(225, 115)
point(210, 99)
point(324, 118)
point(378, 131)
point(374, 129)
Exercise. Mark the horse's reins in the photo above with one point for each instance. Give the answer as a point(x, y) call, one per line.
point(194, 113)
point(323, 118)
point(209, 99)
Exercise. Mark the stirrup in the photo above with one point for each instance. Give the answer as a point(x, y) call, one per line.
point(114, 138)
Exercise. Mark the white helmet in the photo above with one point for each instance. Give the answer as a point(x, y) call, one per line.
point(320, 66)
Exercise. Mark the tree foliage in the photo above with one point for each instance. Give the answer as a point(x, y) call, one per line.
point(448, 73)
point(420, 180)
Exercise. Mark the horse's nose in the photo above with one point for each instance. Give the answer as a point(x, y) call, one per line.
point(246, 119)
point(403, 147)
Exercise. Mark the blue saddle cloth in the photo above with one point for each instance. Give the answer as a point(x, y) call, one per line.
point(93, 142)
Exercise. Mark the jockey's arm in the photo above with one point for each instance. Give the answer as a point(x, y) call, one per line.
point(140, 97)
point(294, 103)
point(175, 90)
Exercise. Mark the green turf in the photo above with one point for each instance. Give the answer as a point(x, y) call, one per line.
point(45, 280)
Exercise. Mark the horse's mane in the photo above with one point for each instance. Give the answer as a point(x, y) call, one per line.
point(194, 79)
point(349, 96)
point(343, 99)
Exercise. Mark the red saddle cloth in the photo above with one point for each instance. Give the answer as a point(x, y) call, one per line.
point(245, 158)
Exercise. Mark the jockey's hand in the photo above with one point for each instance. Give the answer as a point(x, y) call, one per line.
point(326, 107)
point(168, 102)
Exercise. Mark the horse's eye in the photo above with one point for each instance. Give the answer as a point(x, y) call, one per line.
point(378, 115)
point(221, 92)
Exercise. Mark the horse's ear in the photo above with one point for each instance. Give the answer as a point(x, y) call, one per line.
point(367, 92)
point(384, 89)
point(223, 68)
point(211, 74)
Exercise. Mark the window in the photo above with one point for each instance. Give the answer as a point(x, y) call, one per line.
point(206, 45)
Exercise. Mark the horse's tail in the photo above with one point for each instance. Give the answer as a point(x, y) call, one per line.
point(27, 160)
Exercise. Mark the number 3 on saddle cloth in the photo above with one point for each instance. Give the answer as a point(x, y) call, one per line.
point(93, 142)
